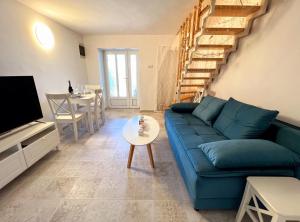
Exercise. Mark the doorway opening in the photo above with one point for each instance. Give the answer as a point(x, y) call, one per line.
point(121, 74)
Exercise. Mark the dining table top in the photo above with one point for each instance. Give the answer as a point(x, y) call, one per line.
point(83, 97)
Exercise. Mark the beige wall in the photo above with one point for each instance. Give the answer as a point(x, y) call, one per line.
point(265, 70)
point(22, 55)
point(147, 45)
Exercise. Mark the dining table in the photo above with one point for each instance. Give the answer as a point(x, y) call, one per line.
point(86, 100)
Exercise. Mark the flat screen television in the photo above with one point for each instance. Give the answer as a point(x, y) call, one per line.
point(19, 102)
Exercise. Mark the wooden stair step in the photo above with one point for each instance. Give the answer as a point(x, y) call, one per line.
point(185, 98)
point(207, 59)
point(192, 85)
point(211, 46)
point(188, 92)
point(196, 78)
point(196, 74)
point(200, 70)
point(235, 10)
point(223, 31)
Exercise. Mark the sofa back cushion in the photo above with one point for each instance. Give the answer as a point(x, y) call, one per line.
point(184, 107)
point(208, 109)
point(249, 153)
point(242, 121)
point(285, 134)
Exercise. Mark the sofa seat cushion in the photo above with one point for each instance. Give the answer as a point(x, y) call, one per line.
point(191, 141)
point(204, 168)
point(208, 109)
point(238, 120)
point(193, 135)
point(249, 153)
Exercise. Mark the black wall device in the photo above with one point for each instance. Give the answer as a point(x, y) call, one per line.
point(82, 50)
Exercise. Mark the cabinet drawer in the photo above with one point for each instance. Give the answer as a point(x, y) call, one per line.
point(11, 167)
point(36, 150)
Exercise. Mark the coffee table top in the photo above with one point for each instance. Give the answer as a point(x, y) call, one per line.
point(151, 131)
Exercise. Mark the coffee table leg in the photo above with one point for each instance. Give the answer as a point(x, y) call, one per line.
point(150, 155)
point(130, 156)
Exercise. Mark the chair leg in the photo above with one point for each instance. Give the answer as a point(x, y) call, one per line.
point(75, 129)
point(102, 117)
point(86, 120)
point(277, 218)
point(245, 201)
point(97, 122)
point(59, 128)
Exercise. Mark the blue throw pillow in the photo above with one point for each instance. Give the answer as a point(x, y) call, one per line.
point(184, 107)
point(249, 153)
point(242, 121)
point(208, 109)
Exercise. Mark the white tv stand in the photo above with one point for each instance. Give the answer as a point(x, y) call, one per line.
point(24, 147)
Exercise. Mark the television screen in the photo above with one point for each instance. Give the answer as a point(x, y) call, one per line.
point(19, 102)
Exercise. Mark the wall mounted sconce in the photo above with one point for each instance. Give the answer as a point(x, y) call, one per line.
point(44, 35)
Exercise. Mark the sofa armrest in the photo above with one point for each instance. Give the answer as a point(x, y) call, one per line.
point(249, 153)
point(184, 107)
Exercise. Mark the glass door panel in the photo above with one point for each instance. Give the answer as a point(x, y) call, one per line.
point(133, 75)
point(122, 76)
point(112, 75)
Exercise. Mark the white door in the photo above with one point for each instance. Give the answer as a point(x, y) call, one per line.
point(122, 78)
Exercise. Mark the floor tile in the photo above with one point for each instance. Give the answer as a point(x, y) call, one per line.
point(74, 210)
point(84, 188)
point(25, 210)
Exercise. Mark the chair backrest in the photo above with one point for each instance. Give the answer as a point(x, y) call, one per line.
point(60, 104)
point(98, 100)
point(92, 87)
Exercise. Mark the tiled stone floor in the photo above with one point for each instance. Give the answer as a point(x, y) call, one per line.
point(89, 181)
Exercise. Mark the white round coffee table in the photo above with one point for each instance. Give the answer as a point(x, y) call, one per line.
point(130, 133)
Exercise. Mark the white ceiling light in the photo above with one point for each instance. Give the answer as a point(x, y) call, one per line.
point(44, 35)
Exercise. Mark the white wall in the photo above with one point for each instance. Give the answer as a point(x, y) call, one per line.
point(21, 54)
point(147, 45)
point(265, 70)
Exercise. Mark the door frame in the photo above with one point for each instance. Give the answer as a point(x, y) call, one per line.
point(129, 98)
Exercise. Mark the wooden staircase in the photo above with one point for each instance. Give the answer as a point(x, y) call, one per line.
point(207, 38)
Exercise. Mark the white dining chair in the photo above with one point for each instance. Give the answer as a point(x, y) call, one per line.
point(97, 106)
point(92, 87)
point(63, 111)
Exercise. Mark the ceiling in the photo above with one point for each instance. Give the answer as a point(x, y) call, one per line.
point(116, 16)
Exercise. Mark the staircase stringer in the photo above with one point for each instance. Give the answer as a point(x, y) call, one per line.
point(200, 32)
point(199, 94)
point(202, 19)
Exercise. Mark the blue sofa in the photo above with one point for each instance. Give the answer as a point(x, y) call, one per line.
point(211, 187)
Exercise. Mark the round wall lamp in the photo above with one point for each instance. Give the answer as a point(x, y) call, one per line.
point(44, 35)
